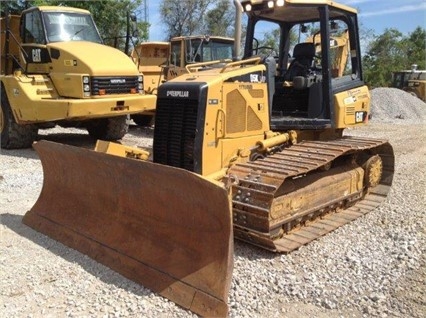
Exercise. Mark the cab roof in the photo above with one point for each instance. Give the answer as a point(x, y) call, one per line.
point(294, 10)
point(59, 9)
point(211, 37)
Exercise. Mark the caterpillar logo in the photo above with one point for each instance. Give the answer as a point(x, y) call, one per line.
point(118, 81)
point(184, 94)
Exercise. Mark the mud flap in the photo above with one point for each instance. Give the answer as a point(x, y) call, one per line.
point(165, 228)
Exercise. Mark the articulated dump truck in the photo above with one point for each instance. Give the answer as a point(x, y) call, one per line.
point(253, 150)
point(55, 70)
point(163, 61)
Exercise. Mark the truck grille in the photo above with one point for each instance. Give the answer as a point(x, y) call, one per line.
point(174, 135)
point(114, 84)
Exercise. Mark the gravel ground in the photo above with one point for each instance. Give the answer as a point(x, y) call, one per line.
point(373, 267)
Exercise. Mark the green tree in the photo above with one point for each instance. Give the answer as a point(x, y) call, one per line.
point(392, 51)
point(183, 17)
point(415, 46)
point(384, 55)
point(219, 20)
point(14, 7)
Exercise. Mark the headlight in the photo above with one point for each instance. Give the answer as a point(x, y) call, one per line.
point(86, 86)
point(140, 83)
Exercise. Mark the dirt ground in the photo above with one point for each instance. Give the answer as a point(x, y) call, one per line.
point(41, 278)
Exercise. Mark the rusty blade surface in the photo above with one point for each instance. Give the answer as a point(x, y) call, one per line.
point(166, 228)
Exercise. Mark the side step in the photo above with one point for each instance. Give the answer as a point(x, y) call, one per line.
point(165, 228)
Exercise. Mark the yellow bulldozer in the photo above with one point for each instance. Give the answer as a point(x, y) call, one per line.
point(55, 70)
point(163, 61)
point(254, 150)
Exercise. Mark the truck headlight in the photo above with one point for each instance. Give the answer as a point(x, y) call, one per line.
point(140, 83)
point(86, 86)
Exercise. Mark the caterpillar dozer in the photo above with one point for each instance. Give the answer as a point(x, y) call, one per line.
point(55, 69)
point(254, 150)
point(163, 61)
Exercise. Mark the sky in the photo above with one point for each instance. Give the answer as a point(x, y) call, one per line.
point(375, 15)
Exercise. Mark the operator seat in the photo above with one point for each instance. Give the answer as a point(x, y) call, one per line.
point(303, 54)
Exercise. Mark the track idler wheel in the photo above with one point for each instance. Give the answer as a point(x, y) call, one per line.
point(373, 168)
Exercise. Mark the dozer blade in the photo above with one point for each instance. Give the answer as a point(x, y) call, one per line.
point(163, 227)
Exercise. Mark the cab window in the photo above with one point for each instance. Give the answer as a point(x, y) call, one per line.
point(33, 28)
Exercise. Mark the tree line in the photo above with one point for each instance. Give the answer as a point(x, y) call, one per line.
point(393, 51)
point(385, 53)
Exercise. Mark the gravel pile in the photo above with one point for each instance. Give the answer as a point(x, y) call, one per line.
point(392, 105)
point(373, 267)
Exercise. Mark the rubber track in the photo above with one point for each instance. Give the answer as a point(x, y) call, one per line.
point(257, 183)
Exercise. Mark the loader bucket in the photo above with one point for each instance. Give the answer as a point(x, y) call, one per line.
point(165, 228)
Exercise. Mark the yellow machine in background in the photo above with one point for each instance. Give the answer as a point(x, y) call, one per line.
point(188, 50)
point(412, 81)
point(253, 150)
point(339, 51)
point(151, 59)
point(163, 61)
point(55, 70)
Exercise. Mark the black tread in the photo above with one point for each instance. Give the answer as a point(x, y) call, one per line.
point(143, 120)
point(113, 128)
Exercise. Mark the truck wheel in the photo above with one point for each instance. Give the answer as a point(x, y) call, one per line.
point(13, 135)
point(143, 120)
point(108, 128)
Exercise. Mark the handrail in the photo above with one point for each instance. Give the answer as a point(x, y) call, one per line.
point(21, 49)
point(190, 67)
point(255, 60)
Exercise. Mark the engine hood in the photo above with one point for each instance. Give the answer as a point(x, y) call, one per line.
point(90, 58)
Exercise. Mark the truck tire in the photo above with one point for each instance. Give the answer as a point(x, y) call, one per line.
point(13, 135)
point(143, 120)
point(113, 128)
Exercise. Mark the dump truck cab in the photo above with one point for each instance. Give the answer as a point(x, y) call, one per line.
point(189, 50)
point(56, 70)
point(151, 59)
point(163, 61)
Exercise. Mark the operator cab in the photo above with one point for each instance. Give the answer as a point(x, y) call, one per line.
point(305, 66)
point(40, 26)
point(43, 25)
point(196, 49)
